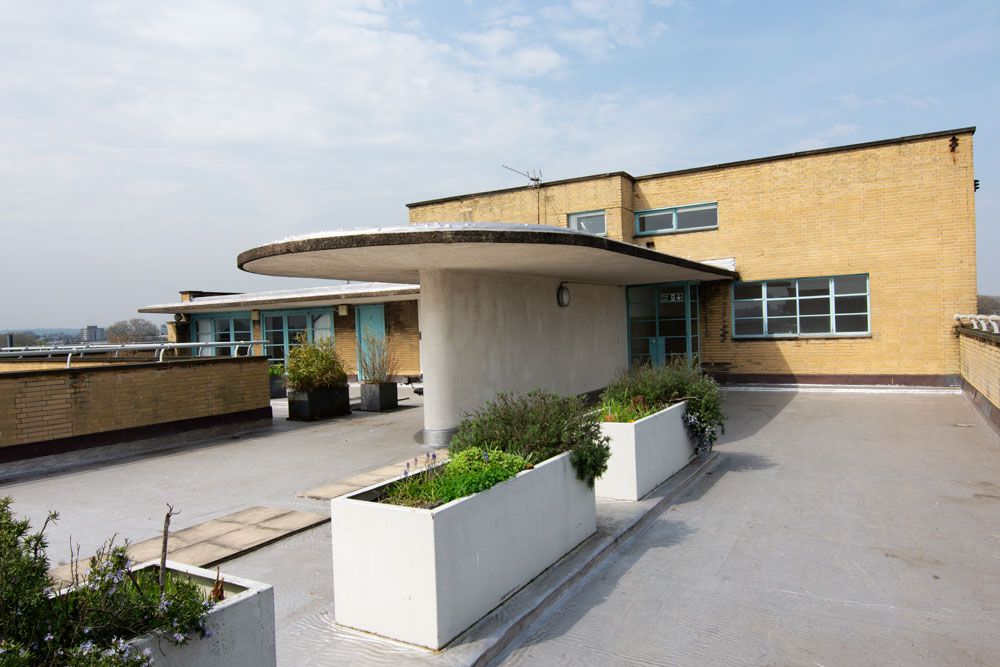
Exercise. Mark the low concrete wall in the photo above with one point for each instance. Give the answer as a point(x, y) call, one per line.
point(980, 363)
point(487, 333)
point(56, 405)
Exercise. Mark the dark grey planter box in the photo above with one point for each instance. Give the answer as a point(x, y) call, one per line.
point(277, 386)
point(318, 404)
point(378, 397)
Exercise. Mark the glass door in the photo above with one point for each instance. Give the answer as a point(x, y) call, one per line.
point(662, 322)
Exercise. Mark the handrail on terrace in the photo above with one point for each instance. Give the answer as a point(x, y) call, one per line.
point(982, 322)
point(88, 348)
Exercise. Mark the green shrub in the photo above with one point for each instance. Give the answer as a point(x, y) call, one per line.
point(276, 370)
point(92, 623)
point(312, 366)
point(537, 426)
point(645, 390)
point(471, 471)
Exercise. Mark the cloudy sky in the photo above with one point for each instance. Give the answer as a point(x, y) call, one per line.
point(143, 145)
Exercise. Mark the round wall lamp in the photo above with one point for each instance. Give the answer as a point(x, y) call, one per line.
point(562, 296)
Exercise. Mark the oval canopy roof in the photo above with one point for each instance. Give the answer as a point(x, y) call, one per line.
point(397, 254)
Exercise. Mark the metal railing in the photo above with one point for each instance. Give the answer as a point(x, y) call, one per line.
point(105, 348)
point(982, 322)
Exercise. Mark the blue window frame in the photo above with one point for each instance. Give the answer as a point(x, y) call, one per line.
point(690, 218)
point(282, 329)
point(825, 306)
point(662, 322)
point(594, 222)
point(221, 327)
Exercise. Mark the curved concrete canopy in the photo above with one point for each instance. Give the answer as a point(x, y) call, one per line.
point(398, 254)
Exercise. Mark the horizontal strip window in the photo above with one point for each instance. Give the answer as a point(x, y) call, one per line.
point(677, 219)
point(589, 221)
point(829, 306)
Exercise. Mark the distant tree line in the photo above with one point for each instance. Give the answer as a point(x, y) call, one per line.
point(135, 330)
point(989, 305)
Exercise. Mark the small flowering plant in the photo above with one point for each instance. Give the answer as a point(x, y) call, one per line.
point(91, 622)
point(468, 472)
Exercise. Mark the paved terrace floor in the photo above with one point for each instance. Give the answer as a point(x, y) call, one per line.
point(834, 528)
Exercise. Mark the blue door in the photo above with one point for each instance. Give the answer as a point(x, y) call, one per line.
point(369, 320)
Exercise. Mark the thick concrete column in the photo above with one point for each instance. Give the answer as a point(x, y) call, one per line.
point(484, 333)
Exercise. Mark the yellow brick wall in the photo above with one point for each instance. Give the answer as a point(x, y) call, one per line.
point(402, 329)
point(981, 365)
point(404, 335)
point(45, 405)
point(903, 213)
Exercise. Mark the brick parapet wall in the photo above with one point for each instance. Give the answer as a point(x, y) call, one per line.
point(42, 405)
point(980, 361)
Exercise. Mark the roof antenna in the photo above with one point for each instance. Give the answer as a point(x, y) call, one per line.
point(536, 180)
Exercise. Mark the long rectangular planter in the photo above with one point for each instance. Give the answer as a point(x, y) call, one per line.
point(424, 576)
point(242, 625)
point(319, 403)
point(645, 453)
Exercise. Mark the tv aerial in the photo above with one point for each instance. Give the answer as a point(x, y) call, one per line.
point(536, 179)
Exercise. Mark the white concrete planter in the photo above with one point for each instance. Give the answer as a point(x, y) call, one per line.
point(242, 623)
point(424, 576)
point(644, 453)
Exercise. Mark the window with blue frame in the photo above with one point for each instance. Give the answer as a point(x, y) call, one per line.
point(690, 218)
point(284, 329)
point(222, 327)
point(826, 306)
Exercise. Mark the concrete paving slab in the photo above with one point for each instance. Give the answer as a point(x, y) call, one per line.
point(293, 522)
point(247, 538)
point(203, 554)
point(254, 515)
point(203, 532)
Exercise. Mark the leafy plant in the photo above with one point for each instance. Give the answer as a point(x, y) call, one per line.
point(90, 623)
point(377, 361)
point(276, 370)
point(537, 426)
point(645, 390)
point(471, 471)
point(312, 366)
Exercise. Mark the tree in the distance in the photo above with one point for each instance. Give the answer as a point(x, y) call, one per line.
point(989, 305)
point(135, 330)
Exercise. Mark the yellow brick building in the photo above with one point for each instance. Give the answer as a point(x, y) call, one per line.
point(852, 260)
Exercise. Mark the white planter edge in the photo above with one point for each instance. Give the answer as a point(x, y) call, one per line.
point(645, 453)
point(425, 576)
point(242, 625)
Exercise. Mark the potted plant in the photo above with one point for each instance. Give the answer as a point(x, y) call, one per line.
point(316, 381)
point(376, 366)
point(276, 377)
point(657, 420)
point(423, 574)
point(114, 613)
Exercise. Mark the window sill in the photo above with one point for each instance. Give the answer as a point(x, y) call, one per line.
point(672, 232)
point(750, 339)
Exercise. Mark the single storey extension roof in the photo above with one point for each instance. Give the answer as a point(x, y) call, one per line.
point(398, 254)
point(318, 296)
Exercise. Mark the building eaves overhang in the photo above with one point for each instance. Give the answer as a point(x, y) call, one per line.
point(711, 167)
point(398, 254)
point(297, 298)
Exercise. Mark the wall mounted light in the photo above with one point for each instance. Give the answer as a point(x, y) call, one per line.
point(342, 310)
point(562, 295)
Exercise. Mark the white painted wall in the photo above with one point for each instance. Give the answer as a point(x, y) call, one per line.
point(484, 333)
point(645, 453)
point(243, 624)
point(424, 576)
